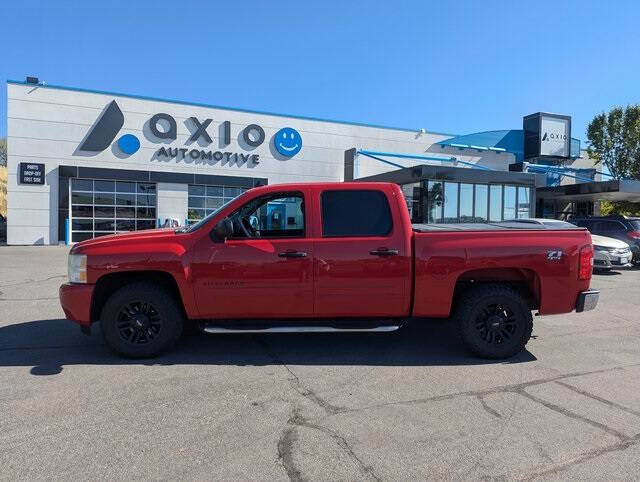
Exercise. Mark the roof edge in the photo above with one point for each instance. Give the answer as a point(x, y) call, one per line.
point(213, 106)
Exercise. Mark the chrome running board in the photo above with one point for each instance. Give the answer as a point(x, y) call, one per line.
point(299, 329)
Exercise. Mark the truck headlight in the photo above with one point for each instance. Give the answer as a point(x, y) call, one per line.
point(77, 268)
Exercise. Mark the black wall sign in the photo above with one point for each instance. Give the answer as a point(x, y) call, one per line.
point(31, 173)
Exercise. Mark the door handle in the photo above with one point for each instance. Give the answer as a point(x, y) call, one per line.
point(292, 254)
point(384, 252)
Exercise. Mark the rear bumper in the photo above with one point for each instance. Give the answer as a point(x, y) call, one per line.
point(75, 300)
point(587, 300)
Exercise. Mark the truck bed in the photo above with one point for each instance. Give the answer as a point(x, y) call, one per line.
point(546, 262)
point(502, 226)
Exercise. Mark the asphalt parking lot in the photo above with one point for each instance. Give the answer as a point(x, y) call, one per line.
point(395, 406)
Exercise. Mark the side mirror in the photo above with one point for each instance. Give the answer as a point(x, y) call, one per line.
point(223, 230)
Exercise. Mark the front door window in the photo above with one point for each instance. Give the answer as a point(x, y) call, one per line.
point(273, 216)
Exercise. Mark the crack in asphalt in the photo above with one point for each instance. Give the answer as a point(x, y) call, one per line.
point(289, 436)
point(573, 415)
point(29, 299)
point(487, 408)
point(33, 281)
point(592, 454)
point(285, 450)
point(491, 391)
point(600, 399)
point(50, 347)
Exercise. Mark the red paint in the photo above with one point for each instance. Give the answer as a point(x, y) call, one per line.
point(339, 277)
point(76, 302)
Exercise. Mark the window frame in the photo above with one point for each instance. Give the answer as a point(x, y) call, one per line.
point(388, 234)
point(274, 196)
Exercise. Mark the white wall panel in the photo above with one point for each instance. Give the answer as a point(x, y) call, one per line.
point(47, 125)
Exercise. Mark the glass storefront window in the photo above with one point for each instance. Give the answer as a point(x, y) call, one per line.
point(524, 203)
point(481, 203)
point(495, 202)
point(412, 195)
point(450, 202)
point(466, 203)
point(509, 202)
point(100, 207)
point(435, 200)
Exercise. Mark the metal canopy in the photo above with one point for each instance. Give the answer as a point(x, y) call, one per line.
point(457, 174)
point(616, 190)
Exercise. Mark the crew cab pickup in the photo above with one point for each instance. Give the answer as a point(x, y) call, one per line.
point(326, 257)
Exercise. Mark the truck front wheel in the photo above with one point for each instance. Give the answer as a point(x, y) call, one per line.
point(494, 321)
point(141, 320)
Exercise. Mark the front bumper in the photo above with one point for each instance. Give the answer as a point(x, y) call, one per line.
point(607, 260)
point(587, 300)
point(75, 300)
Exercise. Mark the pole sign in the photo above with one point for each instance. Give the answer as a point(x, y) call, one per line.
point(30, 173)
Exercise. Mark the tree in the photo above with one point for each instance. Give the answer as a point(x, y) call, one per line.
point(3, 152)
point(615, 141)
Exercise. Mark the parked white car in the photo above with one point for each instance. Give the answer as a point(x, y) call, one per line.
point(610, 252)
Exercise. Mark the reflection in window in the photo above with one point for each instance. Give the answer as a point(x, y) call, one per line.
point(509, 202)
point(524, 206)
point(451, 202)
point(481, 202)
point(435, 198)
point(412, 193)
point(466, 203)
point(495, 202)
point(203, 200)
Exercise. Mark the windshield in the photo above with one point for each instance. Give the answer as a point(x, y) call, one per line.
point(635, 223)
point(205, 220)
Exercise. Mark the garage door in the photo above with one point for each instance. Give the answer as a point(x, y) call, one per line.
point(100, 207)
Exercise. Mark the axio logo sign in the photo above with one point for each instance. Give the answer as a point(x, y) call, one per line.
point(555, 139)
point(287, 141)
point(105, 131)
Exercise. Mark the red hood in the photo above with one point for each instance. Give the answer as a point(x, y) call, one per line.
point(126, 238)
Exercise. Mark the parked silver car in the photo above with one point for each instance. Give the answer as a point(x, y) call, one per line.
point(608, 252)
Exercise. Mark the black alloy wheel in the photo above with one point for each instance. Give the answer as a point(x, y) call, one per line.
point(496, 324)
point(141, 320)
point(495, 321)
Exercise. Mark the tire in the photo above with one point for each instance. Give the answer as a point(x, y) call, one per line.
point(141, 320)
point(494, 320)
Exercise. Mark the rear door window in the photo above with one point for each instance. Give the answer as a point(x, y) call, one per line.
point(584, 224)
point(610, 227)
point(355, 213)
point(635, 225)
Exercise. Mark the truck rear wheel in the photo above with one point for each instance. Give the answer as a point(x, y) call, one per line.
point(141, 320)
point(494, 321)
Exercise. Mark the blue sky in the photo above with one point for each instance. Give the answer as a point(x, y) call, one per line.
point(457, 67)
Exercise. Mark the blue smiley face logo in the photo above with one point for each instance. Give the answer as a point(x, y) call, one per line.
point(288, 141)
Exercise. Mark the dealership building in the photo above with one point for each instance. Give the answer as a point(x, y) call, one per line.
point(85, 163)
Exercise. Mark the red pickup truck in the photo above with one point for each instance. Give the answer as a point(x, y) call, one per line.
point(326, 257)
